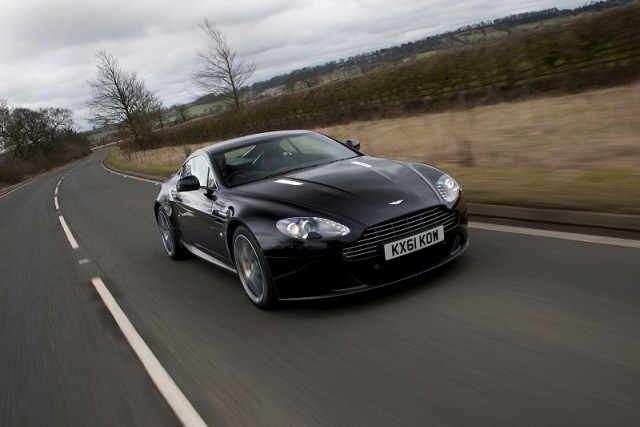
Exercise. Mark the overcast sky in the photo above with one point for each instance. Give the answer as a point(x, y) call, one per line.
point(48, 47)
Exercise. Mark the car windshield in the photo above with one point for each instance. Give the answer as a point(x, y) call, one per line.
point(273, 157)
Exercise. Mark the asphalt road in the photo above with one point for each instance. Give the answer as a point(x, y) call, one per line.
point(522, 330)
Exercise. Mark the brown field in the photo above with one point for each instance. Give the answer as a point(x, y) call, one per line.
point(587, 130)
point(578, 151)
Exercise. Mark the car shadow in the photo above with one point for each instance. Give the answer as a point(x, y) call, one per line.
point(373, 299)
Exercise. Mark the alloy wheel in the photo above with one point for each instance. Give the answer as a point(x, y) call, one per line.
point(249, 268)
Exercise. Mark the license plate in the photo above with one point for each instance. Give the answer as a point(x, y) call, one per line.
point(413, 243)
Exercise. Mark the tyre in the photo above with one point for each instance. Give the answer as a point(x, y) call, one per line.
point(171, 244)
point(253, 269)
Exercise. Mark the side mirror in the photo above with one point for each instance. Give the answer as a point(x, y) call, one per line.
point(188, 183)
point(353, 144)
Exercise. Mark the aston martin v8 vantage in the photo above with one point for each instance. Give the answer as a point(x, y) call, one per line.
point(299, 215)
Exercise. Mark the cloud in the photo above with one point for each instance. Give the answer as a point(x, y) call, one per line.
point(49, 47)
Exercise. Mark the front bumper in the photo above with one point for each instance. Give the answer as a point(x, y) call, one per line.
point(330, 274)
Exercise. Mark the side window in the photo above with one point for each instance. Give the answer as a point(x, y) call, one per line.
point(287, 147)
point(211, 183)
point(198, 167)
point(186, 169)
point(201, 170)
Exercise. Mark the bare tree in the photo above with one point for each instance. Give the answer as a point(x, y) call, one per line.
point(307, 78)
point(291, 84)
point(310, 78)
point(183, 112)
point(26, 132)
point(120, 98)
point(54, 122)
point(5, 115)
point(220, 70)
point(160, 114)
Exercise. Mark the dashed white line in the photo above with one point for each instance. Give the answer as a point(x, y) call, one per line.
point(174, 396)
point(183, 409)
point(585, 238)
point(67, 231)
point(168, 388)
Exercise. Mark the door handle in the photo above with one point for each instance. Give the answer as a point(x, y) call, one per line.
point(220, 215)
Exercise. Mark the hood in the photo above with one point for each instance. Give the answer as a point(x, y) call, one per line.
point(365, 189)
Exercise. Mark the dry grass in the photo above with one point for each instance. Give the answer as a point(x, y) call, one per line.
point(592, 129)
point(575, 152)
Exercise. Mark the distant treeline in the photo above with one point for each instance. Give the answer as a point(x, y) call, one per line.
point(438, 42)
point(33, 141)
point(596, 50)
point(528, 17)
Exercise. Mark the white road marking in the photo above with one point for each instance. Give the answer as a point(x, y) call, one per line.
point(129, 176)
point(65, 227)
point(67, 231)
point(24, 185)
point(601, 240)
point(181, 406)
point(174, 396)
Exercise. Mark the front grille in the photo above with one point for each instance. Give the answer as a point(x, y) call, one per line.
point(367, 245)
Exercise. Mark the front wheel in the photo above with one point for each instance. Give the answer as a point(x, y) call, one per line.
point(169, 240)
point(253, 269)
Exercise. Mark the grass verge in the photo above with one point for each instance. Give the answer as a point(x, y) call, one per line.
point(577, 152)
point(118, 161)
point(595, 190)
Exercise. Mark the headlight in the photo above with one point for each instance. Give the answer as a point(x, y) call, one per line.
point(311, 228)
point(448, 188)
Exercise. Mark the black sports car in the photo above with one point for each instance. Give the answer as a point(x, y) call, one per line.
point(297, 215)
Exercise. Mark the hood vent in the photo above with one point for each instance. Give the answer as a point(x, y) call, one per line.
point(364, 165)
point(288, 182)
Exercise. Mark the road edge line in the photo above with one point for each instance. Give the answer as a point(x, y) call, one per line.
point(585, 238)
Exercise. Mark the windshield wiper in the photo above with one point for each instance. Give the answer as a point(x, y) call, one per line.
point(341, 159)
